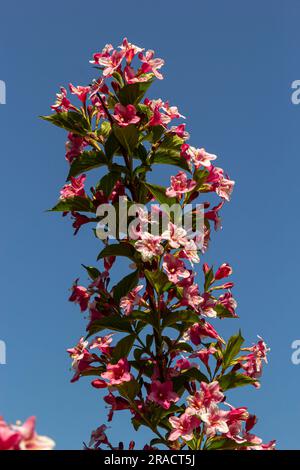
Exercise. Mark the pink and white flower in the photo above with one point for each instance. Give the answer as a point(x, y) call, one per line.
point(176, 236)
point(183, 427)
point(149, 64)
point(149, 246)
point(80, 295)
point(215, 420)
point(128, 302)
point(201, 158)
point(103, 344)
point(75, 188)
point(180, 184)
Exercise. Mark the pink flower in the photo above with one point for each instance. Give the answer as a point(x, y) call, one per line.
point(201, 400)
point(183, 427)
point(118, 373)
point(180, 131)
point(74, 146)
point(224, 188)
point(204, 354)
point(227, 301)
point(180, 184)
point(190, 252)
point(62, 103)
point(174, 268)
point(149, 64)
point(110, 62)
point(202, 158)
point(162, 394)
point(213, 215)
point(149, 246)
point(175, 235)
point(132, 77)
point(9, 438)
point(130, 50)
point(81, 296)
point(224, 271)
point(215, 420)
point(102, 343)
point(191, 297)
point(30, 439)
point(75, 188)
point(130, 300)
point(211, 393)
point(202, 330)
point(99, 437)
point(172, 112)
point(125, 115)
point(80, 91)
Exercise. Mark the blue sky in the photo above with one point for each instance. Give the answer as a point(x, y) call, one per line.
point(229, 67)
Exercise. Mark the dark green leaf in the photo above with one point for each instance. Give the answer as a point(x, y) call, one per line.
point(94, 273)
point(127, 137)
point(233, 380)
point(125, 286)
point(133, 93)
point(87, 161)
point(123, 348)
point(107, 183)
point(159, 192)
point(233, 347)
point(117, 249)
point(115, 323)
point(76, 203)
point(159, 280)
point(71, 121)
point(185, 316)
point(112, 146)
point(129, 389)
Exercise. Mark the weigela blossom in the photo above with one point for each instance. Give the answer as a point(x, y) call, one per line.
point(180, 184)
point(23, 437)
point(149, 246)
point(81, 296)
point(224, 271)
point(80, 91)
point(125, 115)
point(102, 344)
point(162, 394)
point(62, 103)
point(149, 64)
point(118, 373)
point(75, 188)
point(215, 420)
point(176, 236)
point(183, 427)
point(174, 268)
point(128, 302)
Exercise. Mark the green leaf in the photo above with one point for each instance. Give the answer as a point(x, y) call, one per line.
point(208, 279)
point(129, 389)
point(158, 280)
point(133, 93)
point(87, 161)
point(115, 323)
point(159, 192)
point(105, 129)
point(71, 121)
point(76, 203)
point(200, 177)
point(233, 380)
point(111, 146)
point(94, 273)
point(123, 348)
point(125, 286)
point(170, 160)
point(233, 347)
point(127, 137)
point(187, 376)
point(107, 183)
point(117, 249)
point(168, 152)
point(185, 316)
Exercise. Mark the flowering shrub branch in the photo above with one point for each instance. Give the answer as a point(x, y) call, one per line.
point(160, 355)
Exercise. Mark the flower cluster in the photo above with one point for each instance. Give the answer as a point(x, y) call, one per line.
point(23, 436)
point(161, 340)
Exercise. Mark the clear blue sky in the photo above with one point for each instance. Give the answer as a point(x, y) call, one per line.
point(229, 66)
